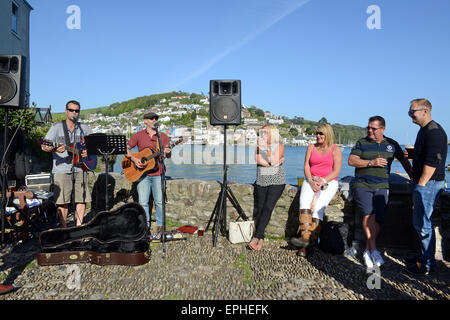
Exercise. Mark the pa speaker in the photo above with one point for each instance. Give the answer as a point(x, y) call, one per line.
point(13, 81)
point(225, 102)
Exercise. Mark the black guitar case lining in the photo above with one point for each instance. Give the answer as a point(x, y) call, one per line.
point(109, 238)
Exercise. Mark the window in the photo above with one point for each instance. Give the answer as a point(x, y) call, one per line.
point(15, 11)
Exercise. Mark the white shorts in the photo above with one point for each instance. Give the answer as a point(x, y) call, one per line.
point(325, 196)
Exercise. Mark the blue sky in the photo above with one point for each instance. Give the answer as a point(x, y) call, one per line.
point(303, 58)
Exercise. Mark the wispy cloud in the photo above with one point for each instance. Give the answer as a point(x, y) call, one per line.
point(290, 8)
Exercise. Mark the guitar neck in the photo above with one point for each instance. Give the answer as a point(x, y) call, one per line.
point(156, 154)
point(70, 149)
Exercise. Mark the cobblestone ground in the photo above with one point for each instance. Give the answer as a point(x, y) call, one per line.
point(195, 270)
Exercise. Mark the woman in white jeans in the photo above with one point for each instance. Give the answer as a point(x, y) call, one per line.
point(323, 163)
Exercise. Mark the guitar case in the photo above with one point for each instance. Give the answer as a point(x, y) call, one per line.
point(115, 237)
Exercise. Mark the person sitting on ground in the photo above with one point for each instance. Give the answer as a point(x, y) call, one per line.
point(323, 162)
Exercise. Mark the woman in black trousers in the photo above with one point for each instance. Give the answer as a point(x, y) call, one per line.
point(270, 181)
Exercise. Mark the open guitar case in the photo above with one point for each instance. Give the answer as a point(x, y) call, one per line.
point(115, 237)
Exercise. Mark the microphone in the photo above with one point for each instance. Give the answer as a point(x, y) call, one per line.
point(75, 118)
point(156, 125)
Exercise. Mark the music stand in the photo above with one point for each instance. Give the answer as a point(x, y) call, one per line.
point(104, 145)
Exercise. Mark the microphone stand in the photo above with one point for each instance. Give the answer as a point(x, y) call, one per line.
point(163, 188)
point(72, 195)
point(3, 174)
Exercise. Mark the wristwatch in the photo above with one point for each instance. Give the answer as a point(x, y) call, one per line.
point(370, 163)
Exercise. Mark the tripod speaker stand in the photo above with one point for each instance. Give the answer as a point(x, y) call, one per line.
point(219, 214)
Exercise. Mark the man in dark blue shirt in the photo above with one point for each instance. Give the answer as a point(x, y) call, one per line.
point(430, 153)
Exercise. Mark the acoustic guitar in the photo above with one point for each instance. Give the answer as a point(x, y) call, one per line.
point(147, 157)
point(87, 164)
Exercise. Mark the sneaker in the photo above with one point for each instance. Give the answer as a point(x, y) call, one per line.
point(377, 258)
point(367, 257)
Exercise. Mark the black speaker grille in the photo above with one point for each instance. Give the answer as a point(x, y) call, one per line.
point(226, 110)
point(8, 88)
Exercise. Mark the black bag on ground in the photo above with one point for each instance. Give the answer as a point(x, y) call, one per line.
point(331, 239)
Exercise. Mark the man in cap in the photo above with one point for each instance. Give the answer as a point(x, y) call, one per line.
point(150, 182)
point(74, 131)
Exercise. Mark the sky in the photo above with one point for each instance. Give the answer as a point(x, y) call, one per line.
point(343, 60)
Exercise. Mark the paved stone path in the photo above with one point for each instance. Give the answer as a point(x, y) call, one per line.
point(195, 270)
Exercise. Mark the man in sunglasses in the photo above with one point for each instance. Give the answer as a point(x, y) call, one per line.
point(69, 179)
point(430, 153)
point(372, 157)
point(150, 183)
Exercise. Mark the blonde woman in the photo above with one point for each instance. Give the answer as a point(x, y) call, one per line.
point(323, 163)
point(270, 180)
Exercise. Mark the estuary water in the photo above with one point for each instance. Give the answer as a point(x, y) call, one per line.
point(206, 163)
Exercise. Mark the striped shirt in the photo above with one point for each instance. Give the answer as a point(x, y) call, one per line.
point(375, 177)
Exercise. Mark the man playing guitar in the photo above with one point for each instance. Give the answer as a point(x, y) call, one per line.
point(150, 182)
point(63, 164)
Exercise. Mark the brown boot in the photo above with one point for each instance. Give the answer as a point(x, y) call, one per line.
point(306, 228)
point(316, 226)
point(302, 252)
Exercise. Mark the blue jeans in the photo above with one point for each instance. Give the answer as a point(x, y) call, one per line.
point(144, 187)
point(424, 199)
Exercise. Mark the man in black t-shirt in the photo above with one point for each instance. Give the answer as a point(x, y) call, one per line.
point(430, 153)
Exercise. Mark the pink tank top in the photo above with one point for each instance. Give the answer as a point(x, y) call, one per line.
point(321, 165)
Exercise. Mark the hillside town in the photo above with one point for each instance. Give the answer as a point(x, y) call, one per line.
point(169, 110)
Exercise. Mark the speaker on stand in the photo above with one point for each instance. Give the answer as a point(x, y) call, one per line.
point(225, 102)
point(225, 109)
point(13, 95)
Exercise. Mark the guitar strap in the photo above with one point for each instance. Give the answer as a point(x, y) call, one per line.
point(157, 150)
point(66, 135)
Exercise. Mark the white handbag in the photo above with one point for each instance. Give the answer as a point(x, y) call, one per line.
point(241, 231)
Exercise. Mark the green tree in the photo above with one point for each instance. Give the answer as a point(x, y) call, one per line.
point(259, 112)
point(310, 130)
point(24, 117)
point(293, 132)
point(323, 120)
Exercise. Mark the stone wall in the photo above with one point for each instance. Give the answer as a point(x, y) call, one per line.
point(192, 202)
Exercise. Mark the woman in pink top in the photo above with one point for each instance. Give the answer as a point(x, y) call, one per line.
point(323, 163)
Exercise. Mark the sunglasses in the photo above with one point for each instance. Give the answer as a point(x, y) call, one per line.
point(320, 133)
point(373, 129)
point(412, 111)
point(74, 110)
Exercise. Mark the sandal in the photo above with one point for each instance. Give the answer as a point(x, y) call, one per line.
point(260, 244)
point(252, 246)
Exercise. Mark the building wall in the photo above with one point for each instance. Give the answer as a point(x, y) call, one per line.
point(16, 42)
